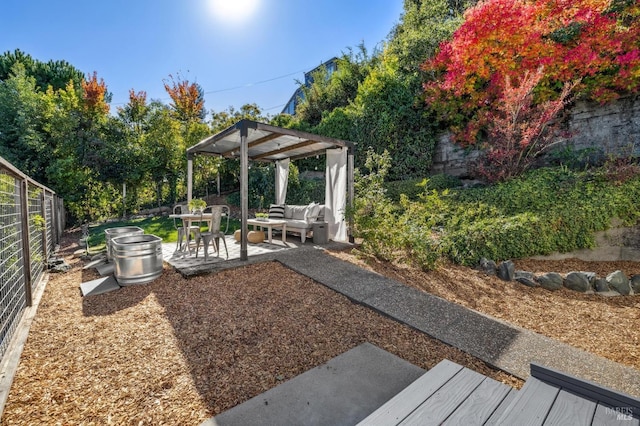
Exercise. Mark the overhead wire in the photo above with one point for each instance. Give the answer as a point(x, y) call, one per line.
point(229, 89)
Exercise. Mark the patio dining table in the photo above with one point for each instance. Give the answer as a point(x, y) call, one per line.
point(189, 219)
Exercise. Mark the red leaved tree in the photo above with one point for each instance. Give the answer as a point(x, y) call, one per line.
point(520, 130)
point(188, 99)
point(95, 95)
point(594, 41)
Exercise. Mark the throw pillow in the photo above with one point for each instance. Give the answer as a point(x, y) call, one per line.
point(297, 212)
point(312, 212)
point(276, 211)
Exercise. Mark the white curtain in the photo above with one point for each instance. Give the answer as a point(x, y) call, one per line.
point(282, 180)
point(336, 193)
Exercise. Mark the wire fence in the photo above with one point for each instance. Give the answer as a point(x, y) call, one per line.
point(31, 222)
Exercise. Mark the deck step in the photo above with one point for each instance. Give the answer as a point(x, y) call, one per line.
point(551, 397)
point(446, 394)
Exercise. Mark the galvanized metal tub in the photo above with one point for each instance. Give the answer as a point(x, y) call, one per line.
point(137, 258)
point(120, 231)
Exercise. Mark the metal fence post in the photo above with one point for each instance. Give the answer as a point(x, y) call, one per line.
point(26, 246)
point(43, 211)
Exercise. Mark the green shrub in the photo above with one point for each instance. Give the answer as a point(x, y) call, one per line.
point(544, 211)
point(411, 188)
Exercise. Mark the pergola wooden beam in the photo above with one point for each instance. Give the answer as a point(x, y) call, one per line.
point(283, 150)
point(257, 142)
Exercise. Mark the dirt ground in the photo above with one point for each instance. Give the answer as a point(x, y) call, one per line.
point(179, 351)
point(605, 326)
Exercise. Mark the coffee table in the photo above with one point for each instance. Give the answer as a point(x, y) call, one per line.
point(269, 224)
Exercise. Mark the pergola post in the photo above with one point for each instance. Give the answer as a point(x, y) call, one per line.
point(244, 189)
point(189, 177)
point(350, 192)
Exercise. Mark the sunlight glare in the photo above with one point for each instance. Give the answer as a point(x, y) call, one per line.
point(233, 11)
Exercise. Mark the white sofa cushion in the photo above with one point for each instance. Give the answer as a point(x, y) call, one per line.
point(312, 212)
point(297, 224)
point(295, 212)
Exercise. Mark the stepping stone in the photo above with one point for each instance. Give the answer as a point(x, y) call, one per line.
point(105, 269)
point(94, 263)
point(99, 286)
point(341, 392)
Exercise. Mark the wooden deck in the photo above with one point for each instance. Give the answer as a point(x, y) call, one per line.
point(453, 395)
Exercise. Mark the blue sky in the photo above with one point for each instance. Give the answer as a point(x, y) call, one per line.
point(230, 47)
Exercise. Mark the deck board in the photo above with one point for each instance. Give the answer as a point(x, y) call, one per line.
point(607, 416)
point(446, 400)
point(531, 405)
point(405, 402)
point(570, 409)
point(481, 404)
point(502, 408)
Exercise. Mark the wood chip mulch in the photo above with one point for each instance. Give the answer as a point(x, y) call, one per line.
point(605, 326)
point(179, 351)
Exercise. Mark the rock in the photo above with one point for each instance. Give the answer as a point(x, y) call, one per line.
point(61, 268)
point(591, 276)
point(506, 270)
point(550, 280)
point(53, 261)
point(526, 278)
point(619, 282)
point(601, 285)
point(635, 284)
point(577, 281)
point(488, 266)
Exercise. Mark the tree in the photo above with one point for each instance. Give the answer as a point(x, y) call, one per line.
point(53, 73)
point(95, 96)
point(223, 119)
point(519, 130)
point(591, 40)
point(136, 112)
point(422, 27)
point(24, 112)
point(387, 115)
point(163, 151)
point(188, 99)
point(328, 92)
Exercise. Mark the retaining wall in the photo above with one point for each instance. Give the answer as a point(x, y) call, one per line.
point(612, 129)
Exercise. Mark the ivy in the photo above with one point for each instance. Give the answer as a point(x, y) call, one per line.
point(544, 211)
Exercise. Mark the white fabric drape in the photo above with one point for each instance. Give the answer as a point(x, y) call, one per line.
point(282, 180)
point(336, 193)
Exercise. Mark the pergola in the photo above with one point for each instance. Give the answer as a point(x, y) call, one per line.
point(253, 141)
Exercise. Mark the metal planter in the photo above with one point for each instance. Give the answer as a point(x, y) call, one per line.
point(111, 233)
point(137, 258)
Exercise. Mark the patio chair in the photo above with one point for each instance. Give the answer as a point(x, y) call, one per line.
point(226, 212)
point(178, 224)
point(213, 233)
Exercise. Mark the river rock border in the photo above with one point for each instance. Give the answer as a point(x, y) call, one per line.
point(614, 284)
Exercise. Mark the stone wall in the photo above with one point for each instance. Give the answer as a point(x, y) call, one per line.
point(612, 128)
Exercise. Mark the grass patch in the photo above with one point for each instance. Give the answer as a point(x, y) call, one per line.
point(160, 226)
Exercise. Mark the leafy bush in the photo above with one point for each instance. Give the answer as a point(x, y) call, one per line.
point(414, 188)
point(374, 215)
point(411, 188)
point(546, 210)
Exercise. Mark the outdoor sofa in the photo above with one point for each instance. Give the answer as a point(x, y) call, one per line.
point(299, 218)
